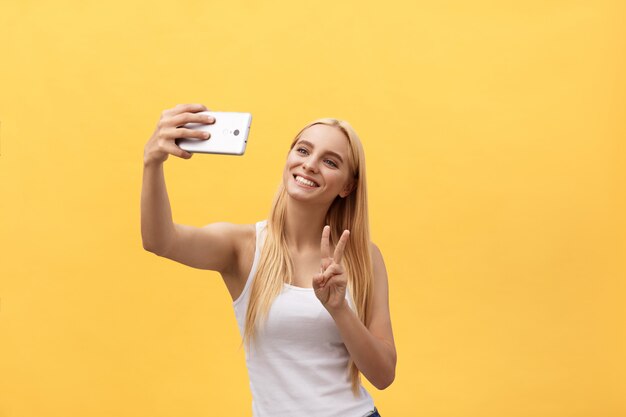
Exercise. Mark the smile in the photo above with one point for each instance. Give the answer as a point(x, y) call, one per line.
point(304, 182)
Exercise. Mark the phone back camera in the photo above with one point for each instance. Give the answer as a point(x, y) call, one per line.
point(236, 132)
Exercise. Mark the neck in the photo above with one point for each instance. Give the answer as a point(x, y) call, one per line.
point(304, 224)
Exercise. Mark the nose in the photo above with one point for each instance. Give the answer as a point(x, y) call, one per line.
point(308, 166)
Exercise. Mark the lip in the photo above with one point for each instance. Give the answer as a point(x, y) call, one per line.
point(305, 177)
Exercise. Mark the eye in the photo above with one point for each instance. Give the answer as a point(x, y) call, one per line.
point(333, 164)
point(301, 149)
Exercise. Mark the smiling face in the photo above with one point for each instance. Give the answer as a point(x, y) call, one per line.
point(317, 167)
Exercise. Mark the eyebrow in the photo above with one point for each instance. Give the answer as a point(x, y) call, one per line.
point(335, 154)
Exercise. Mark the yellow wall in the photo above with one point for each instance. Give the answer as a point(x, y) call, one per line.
point(496, 153)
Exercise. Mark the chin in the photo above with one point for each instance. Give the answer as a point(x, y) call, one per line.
point(297, 194)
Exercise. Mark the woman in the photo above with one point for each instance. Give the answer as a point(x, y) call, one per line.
point(312, 309)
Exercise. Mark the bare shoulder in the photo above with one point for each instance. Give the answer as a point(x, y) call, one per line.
point(377, 256)
point(237, 233)
point(241, 232)
point(244, 239)
point(380, 284)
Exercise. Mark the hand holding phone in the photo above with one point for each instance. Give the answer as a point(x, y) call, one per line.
point(161, 144)
point(228, 134)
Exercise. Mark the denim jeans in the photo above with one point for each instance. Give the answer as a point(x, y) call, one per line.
point(373, 413)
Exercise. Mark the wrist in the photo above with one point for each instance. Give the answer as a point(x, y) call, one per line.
point(341, 309)
point(149, 162)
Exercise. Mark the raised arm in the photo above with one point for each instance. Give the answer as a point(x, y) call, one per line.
point(213, 246)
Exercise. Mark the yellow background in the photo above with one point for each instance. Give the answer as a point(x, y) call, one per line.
point(496, 156)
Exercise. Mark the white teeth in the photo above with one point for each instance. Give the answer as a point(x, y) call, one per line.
point(305, 181)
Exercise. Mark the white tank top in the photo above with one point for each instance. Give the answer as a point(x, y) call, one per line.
point(298, 364)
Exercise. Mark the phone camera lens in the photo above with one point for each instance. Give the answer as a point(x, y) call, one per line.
point(236, 132)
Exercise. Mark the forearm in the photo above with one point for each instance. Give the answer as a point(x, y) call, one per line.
point(157, 226)
point(373, 356)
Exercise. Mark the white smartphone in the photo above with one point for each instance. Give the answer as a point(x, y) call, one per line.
point(229, 134)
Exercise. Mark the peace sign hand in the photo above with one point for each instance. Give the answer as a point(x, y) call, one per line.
point(330, 284)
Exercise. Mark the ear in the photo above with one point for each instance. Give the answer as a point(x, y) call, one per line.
point(347, 189)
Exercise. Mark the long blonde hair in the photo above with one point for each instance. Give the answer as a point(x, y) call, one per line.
point(344, 213)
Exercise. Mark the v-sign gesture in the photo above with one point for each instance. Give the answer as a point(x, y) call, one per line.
point(330, 284)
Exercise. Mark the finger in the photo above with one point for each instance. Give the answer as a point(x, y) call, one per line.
point(188, 119)
point(182, 132)
point(332, 270)
point(334, 279)
point(341, 246)
point(325, 242)
point(189, 107)
point(182, 108)
point(179, 152)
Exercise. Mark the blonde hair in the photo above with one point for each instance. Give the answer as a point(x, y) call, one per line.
point(344, 213)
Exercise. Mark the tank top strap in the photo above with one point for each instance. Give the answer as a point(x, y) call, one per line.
point(261, 232)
